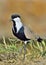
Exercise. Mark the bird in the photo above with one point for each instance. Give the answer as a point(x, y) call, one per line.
point(23, 32)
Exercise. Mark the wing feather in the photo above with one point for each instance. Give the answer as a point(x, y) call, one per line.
point(29, 33)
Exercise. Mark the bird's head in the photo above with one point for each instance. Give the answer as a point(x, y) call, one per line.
point(15, 18)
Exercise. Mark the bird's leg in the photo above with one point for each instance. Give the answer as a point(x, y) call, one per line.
point(24, 49)
point(20, 50)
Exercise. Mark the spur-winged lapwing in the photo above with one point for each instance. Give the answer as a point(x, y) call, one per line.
point(21, 31)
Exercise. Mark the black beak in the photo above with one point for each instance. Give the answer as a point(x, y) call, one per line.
point(11, 20)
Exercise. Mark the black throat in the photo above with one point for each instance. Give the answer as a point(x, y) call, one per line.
point(20, 35)
point(14, 26)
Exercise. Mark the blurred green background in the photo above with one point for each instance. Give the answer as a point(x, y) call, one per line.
point(33, 14)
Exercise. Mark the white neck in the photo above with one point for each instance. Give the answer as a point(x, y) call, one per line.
point(18, 23)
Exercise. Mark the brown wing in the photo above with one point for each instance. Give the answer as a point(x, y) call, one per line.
point(29, 33)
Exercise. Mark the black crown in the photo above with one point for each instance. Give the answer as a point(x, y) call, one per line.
point(15, 16)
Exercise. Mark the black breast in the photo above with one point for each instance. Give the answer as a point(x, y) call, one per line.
point(20, 34)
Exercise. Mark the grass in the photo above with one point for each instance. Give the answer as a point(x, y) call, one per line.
point(34, 49)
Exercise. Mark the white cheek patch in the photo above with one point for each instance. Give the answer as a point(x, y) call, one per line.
point(18, 24)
